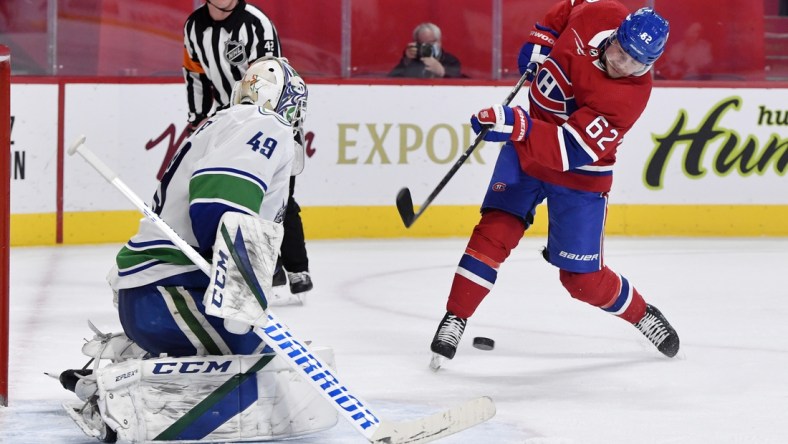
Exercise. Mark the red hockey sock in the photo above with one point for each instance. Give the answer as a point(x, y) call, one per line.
point(491, 242)
point(607, 290)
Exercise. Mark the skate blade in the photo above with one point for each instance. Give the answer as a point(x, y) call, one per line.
point(281, 297)
point(436, 362)
point(73, 409)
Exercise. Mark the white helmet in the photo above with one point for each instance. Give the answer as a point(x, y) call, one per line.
point(271, 83)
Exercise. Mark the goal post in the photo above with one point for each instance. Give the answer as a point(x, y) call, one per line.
point(5, 217)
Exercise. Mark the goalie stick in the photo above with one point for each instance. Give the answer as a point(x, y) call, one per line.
point(295, 352)
point(404, 199)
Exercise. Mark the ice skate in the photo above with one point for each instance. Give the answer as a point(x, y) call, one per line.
point(447, 338)
point(658, 330)
point(293, 294)
point(280, 278)
point(87, 416)
point(300, 282)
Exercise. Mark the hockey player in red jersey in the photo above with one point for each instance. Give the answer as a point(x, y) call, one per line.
point(591, 61)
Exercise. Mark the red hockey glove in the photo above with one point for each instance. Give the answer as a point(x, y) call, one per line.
point(505, 123)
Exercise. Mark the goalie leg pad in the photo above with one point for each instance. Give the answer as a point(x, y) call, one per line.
point(211, 399)
point(244, 258)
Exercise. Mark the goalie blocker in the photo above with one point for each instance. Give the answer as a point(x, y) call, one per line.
point(244, 260)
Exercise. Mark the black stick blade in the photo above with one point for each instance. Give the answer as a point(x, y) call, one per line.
point(405, 207)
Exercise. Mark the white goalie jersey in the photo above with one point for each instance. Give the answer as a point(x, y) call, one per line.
point(239, 160)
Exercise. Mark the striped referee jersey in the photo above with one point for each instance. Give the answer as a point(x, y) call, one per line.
point(217, 54)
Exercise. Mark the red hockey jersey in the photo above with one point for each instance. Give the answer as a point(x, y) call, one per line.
point(580, 115)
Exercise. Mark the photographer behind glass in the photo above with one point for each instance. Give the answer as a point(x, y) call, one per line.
point(424, 57)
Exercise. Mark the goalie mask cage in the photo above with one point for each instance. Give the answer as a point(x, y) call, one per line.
point(5, 209)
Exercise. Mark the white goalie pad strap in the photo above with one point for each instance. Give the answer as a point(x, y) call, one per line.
point(113, 346)
point(244, 258)
point(211, 399)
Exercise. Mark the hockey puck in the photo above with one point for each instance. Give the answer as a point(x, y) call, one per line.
point(483, 343)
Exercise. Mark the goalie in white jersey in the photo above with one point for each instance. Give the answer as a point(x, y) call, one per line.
point(240, 160)
point(177, 374)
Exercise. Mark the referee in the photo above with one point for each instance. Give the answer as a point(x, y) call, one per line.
point(221, 39)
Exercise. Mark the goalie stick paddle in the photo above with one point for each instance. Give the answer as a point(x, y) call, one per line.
point(436, 426)
point(318, 374)
point(404, 199)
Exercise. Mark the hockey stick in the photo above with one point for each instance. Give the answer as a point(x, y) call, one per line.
point(404, 199)
point(295, 352)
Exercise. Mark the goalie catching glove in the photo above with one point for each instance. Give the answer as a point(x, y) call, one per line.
point(504, 123)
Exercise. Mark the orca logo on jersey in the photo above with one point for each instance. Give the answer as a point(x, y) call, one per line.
point(280, 214)
point(234, 52)
point(552, 90)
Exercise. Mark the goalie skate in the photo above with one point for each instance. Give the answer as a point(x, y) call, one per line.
point(87, 417)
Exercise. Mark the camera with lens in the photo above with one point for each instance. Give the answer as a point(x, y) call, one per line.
point(425, 50)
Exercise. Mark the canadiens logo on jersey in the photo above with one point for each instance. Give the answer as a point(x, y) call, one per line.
point(234, 52)
point(552, 90)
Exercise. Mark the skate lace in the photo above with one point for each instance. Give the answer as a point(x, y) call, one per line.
point(298, 277)
point(451, 330)
point(653, 328)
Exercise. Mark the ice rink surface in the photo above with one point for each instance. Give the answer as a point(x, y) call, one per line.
point(561, 372)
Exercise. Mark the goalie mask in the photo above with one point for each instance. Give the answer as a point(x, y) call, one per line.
point(273, 84)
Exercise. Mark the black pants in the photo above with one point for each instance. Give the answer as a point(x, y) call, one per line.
point(293, 258)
